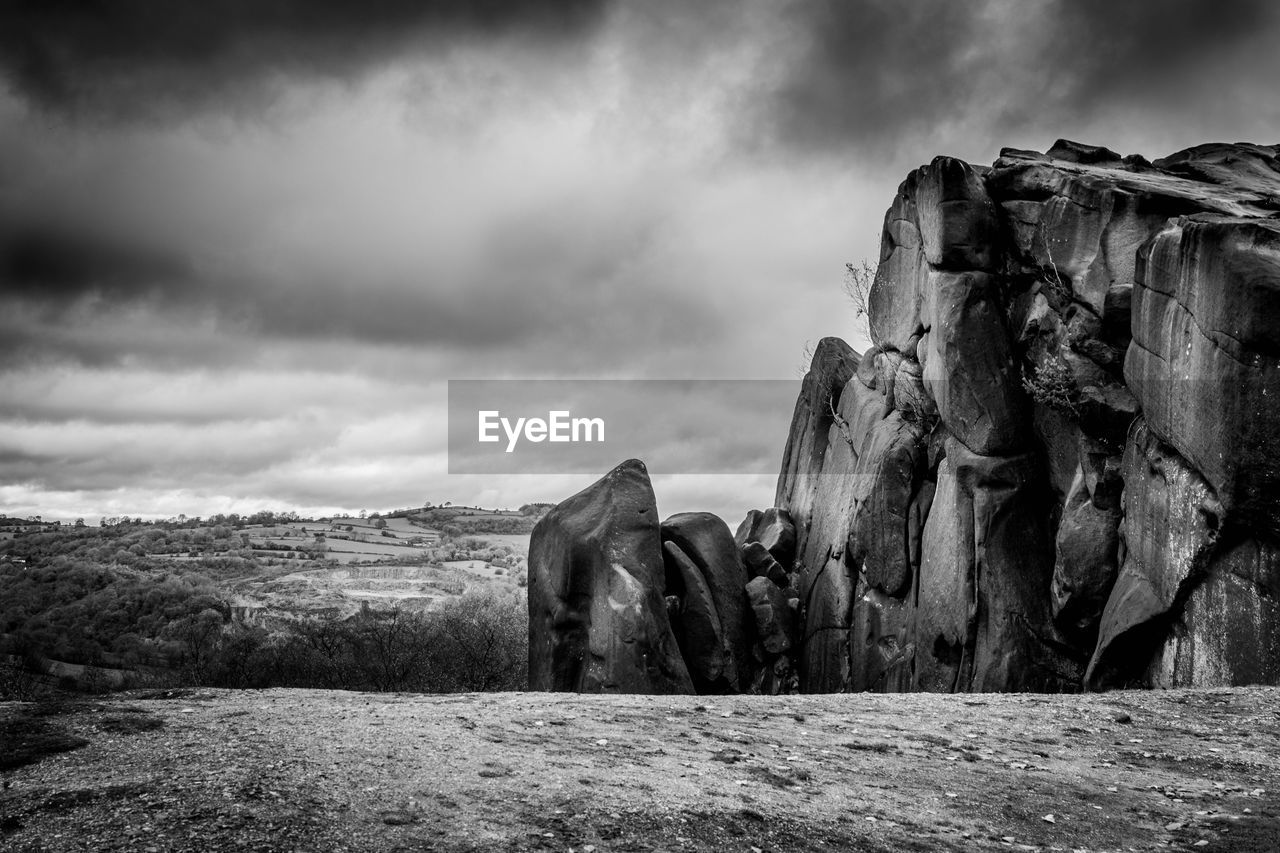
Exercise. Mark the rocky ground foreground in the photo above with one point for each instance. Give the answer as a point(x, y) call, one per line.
point(312, 770)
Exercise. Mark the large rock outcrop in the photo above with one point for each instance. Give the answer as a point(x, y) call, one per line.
point(1056, 467)
point(1062, 452)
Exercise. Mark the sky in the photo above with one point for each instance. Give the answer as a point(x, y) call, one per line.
point(245, 244)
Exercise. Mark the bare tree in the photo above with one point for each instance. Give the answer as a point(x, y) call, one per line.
point(484, 642)
point(858, 279)
point(199, 637)
point(806, 359)
point(390, 648)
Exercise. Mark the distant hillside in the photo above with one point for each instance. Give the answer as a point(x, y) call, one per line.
point(138, 601)
point(470, 520)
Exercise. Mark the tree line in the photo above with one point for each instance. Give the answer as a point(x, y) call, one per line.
point(476, 642)
point(146, 626)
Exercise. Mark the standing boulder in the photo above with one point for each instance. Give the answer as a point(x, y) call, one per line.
point(597, 618)
point(704, 540)
point(694, 619)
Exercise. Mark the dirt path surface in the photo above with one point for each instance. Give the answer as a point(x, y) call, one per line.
point(312, 770)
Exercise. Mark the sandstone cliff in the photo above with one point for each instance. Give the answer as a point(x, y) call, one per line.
point(1058, 464)
point(1057, 467)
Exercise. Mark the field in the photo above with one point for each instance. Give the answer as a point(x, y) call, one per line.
point(517, 541)
point(418, 586)
point(476, 568)
point(366, 549)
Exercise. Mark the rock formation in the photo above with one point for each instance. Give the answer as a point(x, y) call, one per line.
point(619, 603)
point(1057, 466)
point(1058, 463)
point(767, 543)
point(597, 620)
point(706, 576)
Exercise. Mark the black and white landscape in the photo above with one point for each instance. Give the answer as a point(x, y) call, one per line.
point(329, 334)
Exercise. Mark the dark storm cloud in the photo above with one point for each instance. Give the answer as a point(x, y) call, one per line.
point(855, 73)
point(57, 264)
point(870, 72)
point(54, 270)
point(139, 58)
point(100, 301)
point(871, 68)
point(1131, 44)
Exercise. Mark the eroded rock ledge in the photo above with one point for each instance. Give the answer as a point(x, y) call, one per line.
point(1057, 467)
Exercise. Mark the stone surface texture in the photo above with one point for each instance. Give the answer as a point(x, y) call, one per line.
point(1057, 465)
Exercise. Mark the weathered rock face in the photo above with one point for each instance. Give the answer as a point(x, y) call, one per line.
point(1198, 598)
point(1229, 628)
point(817, 488)
point(1171, 525)
point(1085, 567)
point(1063, 450)
point(1057, 467)
point(1205, 358)
point(597, 619)
point(705, 570)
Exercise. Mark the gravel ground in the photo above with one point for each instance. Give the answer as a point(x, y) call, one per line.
point(313, 770)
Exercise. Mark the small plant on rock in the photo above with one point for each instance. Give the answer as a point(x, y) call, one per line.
point(1052, 384)
point(839, 421)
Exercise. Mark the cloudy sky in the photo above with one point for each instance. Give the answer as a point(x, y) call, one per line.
point(245, 243)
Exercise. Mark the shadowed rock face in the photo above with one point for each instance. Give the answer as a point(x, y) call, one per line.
point(1172, 522)
point(1063, 450)
point(597, 619)
point(695, 620)
point(705, 568)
